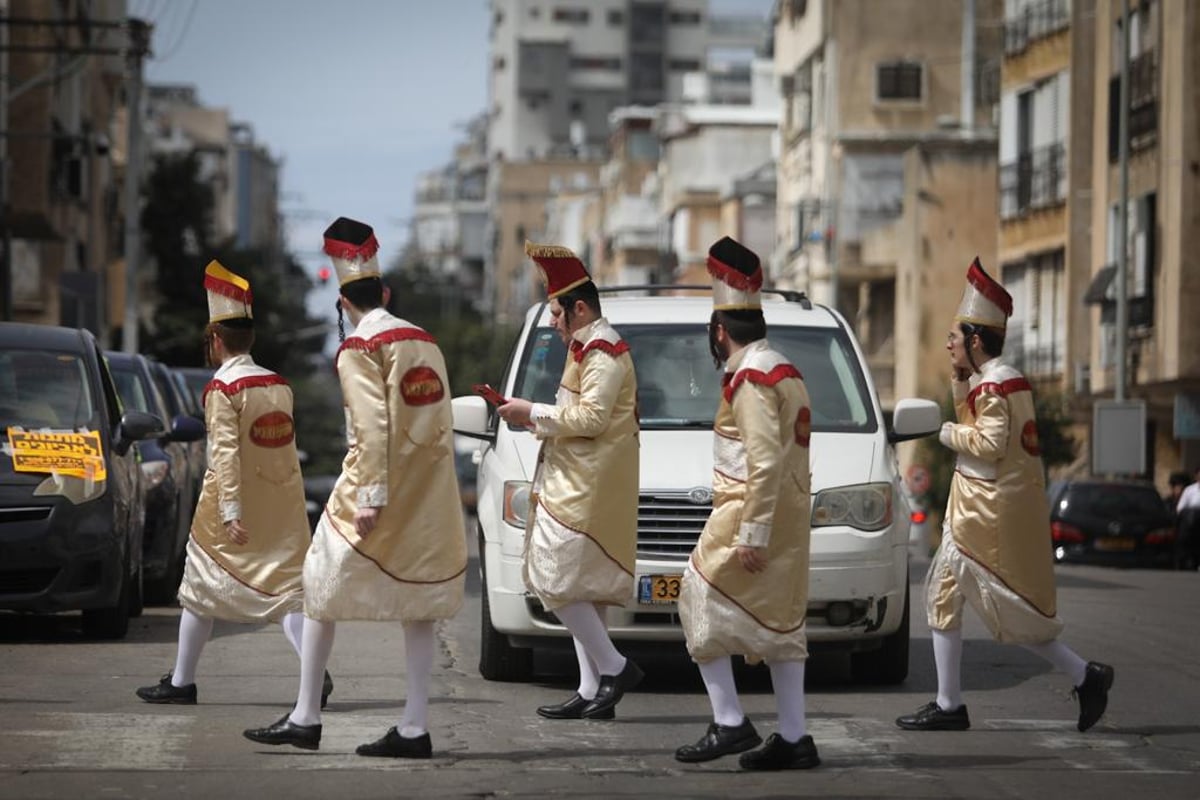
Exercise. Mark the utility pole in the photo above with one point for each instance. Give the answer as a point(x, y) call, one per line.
point(139, 47)
point(6, 266)
point(1123, 215)
point(967, 113)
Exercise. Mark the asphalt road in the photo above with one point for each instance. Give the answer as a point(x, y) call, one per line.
point(70, 725)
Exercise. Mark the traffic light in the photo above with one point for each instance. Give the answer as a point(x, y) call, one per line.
point(323, 275)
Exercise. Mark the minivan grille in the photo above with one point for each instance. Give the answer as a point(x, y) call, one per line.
point(23, 513)
point(669, 523)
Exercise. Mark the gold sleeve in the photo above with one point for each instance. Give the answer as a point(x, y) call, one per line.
point(224, 440)
point(600, 379)
point(756, 414)
point(365, 392)
point(988, 437)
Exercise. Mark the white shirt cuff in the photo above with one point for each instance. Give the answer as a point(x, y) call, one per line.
point(754, 534)
point(373, 496)
point(945, 435)
point(231, 511)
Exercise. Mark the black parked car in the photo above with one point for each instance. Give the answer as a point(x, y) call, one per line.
point(66, 542)
point(165, 472)
point(180, 402)
point(196, 379)
point(1110, 522)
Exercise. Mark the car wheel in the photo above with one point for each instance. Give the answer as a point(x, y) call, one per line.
point(110, 623)
point(498, 659)
point(889, 664)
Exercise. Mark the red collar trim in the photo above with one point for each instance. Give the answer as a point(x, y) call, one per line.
point(234, 387)
point(1003, 389)
point(731, 381)
point(580, 351)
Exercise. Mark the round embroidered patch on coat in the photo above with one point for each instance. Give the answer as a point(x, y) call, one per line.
point(803, 426)
point(273, 429)
point(421, 386)
point(1029, 438)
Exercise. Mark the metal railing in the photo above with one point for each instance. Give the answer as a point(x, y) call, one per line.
point(1035, 21)
point(1036, 180)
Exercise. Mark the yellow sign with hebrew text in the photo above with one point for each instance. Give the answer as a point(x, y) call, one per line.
point(58, 452)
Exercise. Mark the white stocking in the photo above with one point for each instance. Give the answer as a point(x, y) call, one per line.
point(589, 675)
point(584, 622)
point(1062, 657)
point(418, 658)
point(722, 691)
point(194, 632)
point(316, 643)
point(293, 629)
point(787, 677)
point(947, 655)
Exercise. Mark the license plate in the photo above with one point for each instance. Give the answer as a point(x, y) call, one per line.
point(658, 589)
point(1115, 544)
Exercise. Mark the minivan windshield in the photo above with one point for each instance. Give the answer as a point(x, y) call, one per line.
point(678, 386)
point(45, 389)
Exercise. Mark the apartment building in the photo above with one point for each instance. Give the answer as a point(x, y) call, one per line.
point(1162, 220)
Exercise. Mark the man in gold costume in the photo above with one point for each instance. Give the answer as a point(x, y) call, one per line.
point(745, 589)
point(391, 543)
point(250, 530)
point(581, 538)
point(995, 554)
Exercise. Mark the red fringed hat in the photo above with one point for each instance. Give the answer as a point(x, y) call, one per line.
point(984, 301)
point(352, 246)
point(737, 276)
point(229, 295)
point(561, 269)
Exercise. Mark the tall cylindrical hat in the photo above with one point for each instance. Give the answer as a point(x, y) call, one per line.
point(352, 247)
point(561, 270)
point(737, 276)
point(984, 300)
point(229, 296)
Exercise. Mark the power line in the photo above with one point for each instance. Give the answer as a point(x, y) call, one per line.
point(187, 24)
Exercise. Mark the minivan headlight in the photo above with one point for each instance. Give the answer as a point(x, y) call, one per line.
point(155, 472)
point(867, 506)
point(517, 498)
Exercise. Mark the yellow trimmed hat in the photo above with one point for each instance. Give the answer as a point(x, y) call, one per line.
point(229, 294)
point(561, 270)
point(984, 300)
point(352, 247)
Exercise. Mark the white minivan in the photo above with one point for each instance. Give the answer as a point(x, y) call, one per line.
point(858, 586)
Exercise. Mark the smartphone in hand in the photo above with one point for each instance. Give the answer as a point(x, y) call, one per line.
point(489, 394)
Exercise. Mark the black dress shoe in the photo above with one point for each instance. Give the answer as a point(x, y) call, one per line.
point(284, 731)
point(1093, 693)
point(573, 709)
point(164, 692)
point(326, 689)
point(720, 740)
point(930, 717)
point(779, 753)
point(612, 689)
point(393, 745)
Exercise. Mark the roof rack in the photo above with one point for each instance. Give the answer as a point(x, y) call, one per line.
point(790, 295)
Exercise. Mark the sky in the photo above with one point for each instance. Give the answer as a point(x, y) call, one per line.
point(356, 98)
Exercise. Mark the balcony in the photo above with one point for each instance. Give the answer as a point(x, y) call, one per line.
point(1036, 20)
point(1143, 105)
point(1036, 180)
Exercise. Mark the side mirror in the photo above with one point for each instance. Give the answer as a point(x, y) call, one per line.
point(914, 419)
point(186, 428)
point(471, 417)
point(136, 426)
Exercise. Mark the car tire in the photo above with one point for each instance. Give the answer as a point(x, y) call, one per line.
point(498, 659)
point(888, 665)
point(110, 623)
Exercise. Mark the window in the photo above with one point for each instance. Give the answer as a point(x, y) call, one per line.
point(685, 17)
point(684, 65)
point(45, 389)
point(616, 18)
point(899, 80)
point(609, 63)
point(498, 63)
point(572, 16)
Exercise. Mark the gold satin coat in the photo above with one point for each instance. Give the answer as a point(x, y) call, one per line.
point(581, 539)
point(761, 498)
point(998, 515)
point(253, 475)
point(412, 565)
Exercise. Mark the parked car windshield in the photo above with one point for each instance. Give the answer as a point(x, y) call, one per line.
point(1113, 501)
point(131, 389)
point(678, 386)
point(44, 389)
